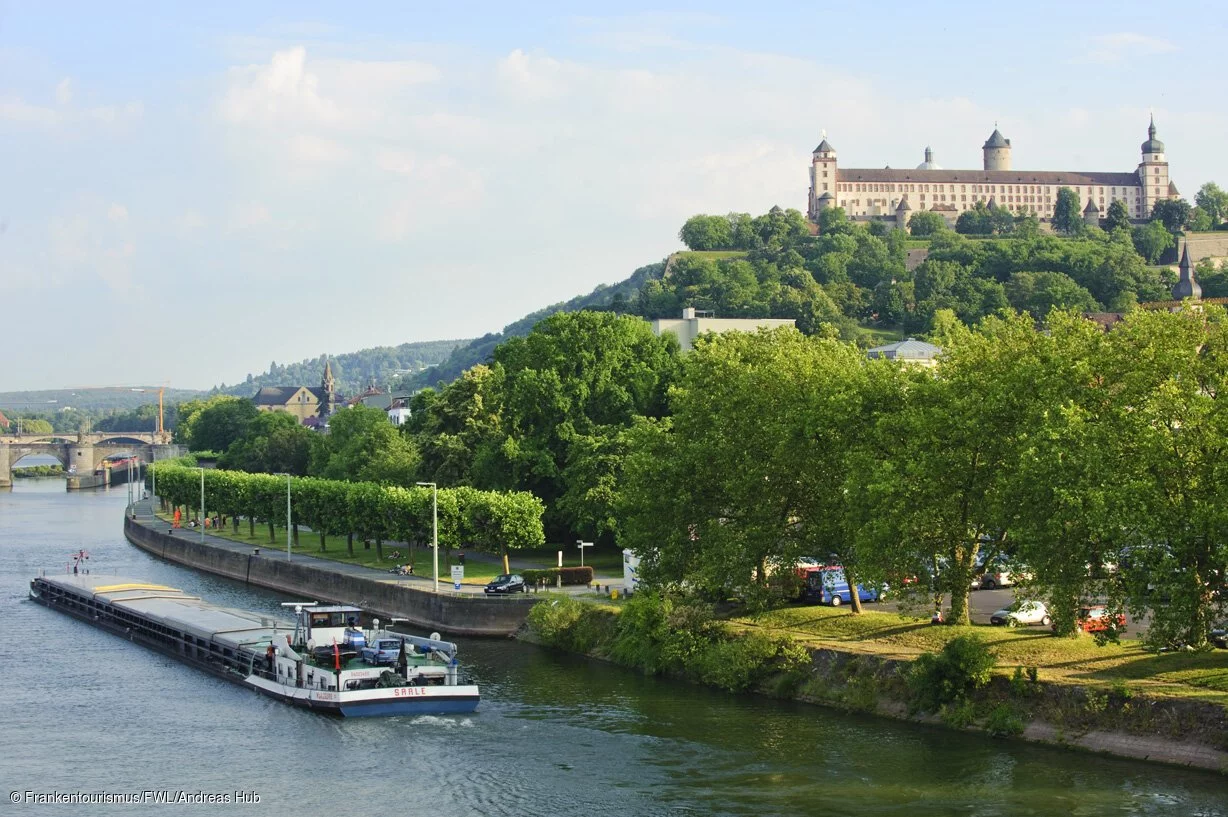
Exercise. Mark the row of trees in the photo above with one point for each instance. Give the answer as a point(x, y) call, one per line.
point(1067, 448)
point(494, 522)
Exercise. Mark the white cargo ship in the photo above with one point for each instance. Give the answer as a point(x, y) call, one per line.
point(323, 660)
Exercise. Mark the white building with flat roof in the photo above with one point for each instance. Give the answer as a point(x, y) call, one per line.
point(695, 322)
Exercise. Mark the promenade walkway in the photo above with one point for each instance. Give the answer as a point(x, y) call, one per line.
point(143, 512)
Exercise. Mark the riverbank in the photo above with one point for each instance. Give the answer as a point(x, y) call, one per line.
point(1017, 702)
point(306, 577)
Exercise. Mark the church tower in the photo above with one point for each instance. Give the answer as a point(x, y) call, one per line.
point(997, 151)
point(328, 404)
point(1186, 286)
point(822, 178)
point(1152, 172)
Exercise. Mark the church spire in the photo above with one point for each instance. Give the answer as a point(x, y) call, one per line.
point(1186, 286)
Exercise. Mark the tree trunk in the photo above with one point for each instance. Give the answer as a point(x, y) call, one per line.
point(235, 521)
point(349, 542)
point(296, 535)
point(251, 527)
point(272, 539)
point(322, 545)
point(379, 548)
point(854, 595)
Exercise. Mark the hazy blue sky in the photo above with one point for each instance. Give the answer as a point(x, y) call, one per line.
point(247, 182)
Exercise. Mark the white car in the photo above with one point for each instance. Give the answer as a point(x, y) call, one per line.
point(1022, 614)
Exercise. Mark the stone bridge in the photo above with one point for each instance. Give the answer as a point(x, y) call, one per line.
point(82, 453)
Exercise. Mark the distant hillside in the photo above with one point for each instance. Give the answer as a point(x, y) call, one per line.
point(353, 371)
point(50, 401)
point(606, 296)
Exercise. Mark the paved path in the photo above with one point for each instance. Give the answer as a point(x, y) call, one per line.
point(144, 514)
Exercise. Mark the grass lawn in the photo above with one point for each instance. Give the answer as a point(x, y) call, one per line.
point(1081, 661)
point(479, 568)
point(712, 255)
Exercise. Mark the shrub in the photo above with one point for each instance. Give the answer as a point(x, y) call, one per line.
point(570, 575)
point(963, 666)
point(572, 625)
point(1004, 721)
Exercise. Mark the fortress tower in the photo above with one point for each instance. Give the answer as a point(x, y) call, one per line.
point(1153, 173)
point(997, 151)
point(822, 178)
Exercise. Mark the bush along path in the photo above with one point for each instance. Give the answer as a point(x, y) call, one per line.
point(962, 684)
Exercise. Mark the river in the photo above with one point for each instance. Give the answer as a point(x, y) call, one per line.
point(555, 735)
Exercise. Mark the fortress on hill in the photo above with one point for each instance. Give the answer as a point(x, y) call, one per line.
point(892, 196)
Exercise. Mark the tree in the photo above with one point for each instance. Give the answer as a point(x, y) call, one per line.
point(926, 223)
point(273, 442)
point(457, 430)
point(834, 220)
point(1040, 292)
point(1172, 213)
point(214, 424)
point(930, 493)
point(707, 233)
point(576, 375)
point(1151, 240)
point(975, 221)
point(363, 446)
point(1118, 217)
point(1170, 474)
point(1213, 201)
point(749, 474)
point(1067, 217)
point(1199, 221)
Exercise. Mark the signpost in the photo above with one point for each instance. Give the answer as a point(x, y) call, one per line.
point(458, 573)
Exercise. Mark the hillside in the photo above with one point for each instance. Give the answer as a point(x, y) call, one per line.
point(606, 296)
point(353, 371)
point(50, 401)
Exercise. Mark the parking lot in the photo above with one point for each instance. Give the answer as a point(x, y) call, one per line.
point(983, 603)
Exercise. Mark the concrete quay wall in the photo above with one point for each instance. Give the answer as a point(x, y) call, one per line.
point(459, 614)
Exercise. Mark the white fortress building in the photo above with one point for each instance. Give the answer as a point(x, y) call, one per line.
point(891, 195)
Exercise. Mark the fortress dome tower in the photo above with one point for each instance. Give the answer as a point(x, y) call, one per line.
point(997, 150)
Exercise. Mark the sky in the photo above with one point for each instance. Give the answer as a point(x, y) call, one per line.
point(193, 190)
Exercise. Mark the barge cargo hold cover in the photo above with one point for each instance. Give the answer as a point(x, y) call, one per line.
point(319, 661)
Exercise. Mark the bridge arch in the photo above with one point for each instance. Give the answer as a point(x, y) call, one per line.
point(56, 452)
point(119, 438)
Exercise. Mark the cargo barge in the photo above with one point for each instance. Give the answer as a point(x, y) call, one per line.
point(323, 660)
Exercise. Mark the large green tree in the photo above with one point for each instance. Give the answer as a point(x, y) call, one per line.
point(213, 424)
point(1213, 201)
point(1118, 217)
point(1172, 213)
point(362, 445)
point(273, 442)
point(575, 376)
point(926, 223)
point(748, 475)
point(1067, 217)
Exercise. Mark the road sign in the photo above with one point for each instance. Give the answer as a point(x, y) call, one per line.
point(458, 573)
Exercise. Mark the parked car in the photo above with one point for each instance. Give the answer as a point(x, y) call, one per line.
point(382, 651)
point(1022, 614)
point(1219, 636)
point(998, 571)
point(1095, 618)
point(506, 583)
point(829, 585)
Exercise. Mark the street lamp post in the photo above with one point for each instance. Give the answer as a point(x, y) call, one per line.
point(289, 522)
point(434, 526)
point(201, 521)
point(582, 545)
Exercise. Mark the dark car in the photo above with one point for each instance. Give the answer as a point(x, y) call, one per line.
point(506, 583)
point(1219, 636)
